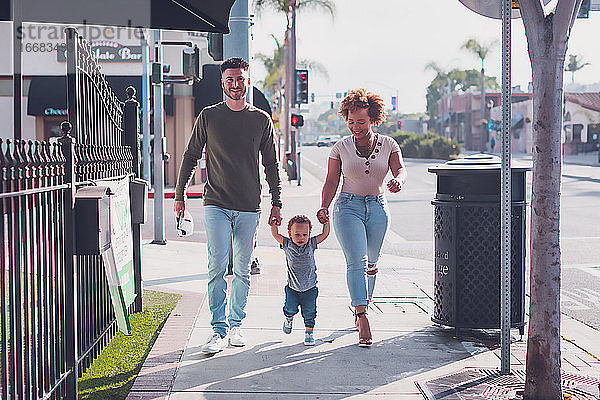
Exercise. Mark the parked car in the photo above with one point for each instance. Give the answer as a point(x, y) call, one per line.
point(327, 141)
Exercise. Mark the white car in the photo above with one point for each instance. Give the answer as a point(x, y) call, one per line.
point(327, 141)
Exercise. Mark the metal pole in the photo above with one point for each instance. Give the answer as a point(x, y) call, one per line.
point(145, 104)
point(505, 297)
point(293, 99)
point(17, 18)
point(483, 125)
point(298, 151)
point(159, 169)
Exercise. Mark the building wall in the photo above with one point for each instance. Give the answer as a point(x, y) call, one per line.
point(41, 58)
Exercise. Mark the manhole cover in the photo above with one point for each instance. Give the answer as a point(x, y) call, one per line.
point(480, 384)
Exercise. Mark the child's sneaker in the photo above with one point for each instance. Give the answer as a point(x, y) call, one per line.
point(309, 339)
point(287, 325)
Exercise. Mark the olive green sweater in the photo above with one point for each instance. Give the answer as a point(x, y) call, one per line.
point(233, 140)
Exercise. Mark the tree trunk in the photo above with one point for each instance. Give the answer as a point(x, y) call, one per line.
point(543, 343)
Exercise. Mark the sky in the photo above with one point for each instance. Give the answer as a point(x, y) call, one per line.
point(384, 46)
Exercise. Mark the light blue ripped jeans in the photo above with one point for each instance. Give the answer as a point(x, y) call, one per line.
point(220, 225)
point(360, 224)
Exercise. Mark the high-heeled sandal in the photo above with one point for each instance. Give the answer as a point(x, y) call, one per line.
point(372, 269)
point(363, 341)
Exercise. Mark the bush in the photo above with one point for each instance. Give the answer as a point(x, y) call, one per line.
point(429, 145)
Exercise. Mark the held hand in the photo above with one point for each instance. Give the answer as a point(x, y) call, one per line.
point(179, 208)
point(394, 185)
point(323, 215)
point(275, 216)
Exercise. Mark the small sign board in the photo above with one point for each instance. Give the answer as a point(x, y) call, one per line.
point(118, 258)
point(492, 8)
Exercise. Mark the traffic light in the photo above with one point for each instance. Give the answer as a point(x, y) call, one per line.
point(297, 120)
point(312, 97)
point(399, 124)
point(301, 86)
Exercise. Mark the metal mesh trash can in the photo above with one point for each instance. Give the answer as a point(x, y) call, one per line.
point(467, 243)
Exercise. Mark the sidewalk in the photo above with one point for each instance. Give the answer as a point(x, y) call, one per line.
point(410, 355)
point(407, 347)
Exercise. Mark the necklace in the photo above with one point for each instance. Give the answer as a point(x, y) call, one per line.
point(365, 151)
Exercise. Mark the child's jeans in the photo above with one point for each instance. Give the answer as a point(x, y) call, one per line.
point(306, 300)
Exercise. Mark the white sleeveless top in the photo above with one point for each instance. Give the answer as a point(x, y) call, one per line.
point(363, 176)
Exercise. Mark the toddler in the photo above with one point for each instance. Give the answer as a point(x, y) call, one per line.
point(301, 289)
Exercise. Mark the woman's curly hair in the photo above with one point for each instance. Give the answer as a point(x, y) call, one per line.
point(360, 98)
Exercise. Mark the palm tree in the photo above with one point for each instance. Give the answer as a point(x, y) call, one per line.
point(289, 8)
point(273, 82)
point(574, 65)
point(481, 51)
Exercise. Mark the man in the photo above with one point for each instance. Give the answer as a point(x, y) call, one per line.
point(233, 133)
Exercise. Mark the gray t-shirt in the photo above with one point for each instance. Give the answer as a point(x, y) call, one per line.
point(301, 267)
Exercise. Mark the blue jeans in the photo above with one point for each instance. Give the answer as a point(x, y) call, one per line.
point(307, 301)
point(360, 224)
point(220, 225)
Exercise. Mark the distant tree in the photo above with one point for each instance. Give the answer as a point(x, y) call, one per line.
point(275, 67)
point(289, 8)
point(456, 81)
point(574, 65)
point(481, 51)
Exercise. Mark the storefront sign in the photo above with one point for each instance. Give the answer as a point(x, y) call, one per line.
point(55, 111)
point(107, 51)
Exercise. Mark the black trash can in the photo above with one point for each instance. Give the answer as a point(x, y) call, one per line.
point(467, 239)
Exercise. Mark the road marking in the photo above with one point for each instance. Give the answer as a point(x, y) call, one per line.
point(313, 163)
point(393, 237)
point(571, 304)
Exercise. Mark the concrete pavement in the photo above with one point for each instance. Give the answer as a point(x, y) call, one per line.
point(408, 347)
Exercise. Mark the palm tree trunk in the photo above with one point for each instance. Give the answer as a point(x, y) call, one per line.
point(543, 343)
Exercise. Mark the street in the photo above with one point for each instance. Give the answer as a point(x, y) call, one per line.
point(411, 225)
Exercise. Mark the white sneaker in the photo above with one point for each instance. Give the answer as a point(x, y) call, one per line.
point(236, 337)
point(214, 344)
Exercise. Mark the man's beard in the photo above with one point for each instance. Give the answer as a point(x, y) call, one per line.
point(235, 96)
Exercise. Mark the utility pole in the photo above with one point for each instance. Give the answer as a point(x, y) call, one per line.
point(145, 103)
point(159, 125)
point(482, 141)
point(292, 91)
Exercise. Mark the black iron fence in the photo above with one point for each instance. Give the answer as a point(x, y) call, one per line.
point(56, 312)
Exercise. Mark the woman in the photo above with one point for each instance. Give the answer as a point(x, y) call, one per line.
point(360, 213)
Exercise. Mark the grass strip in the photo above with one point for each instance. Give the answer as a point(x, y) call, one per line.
point(112, 374)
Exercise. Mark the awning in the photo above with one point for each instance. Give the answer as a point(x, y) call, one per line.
point(48, 94)
point(186, 15)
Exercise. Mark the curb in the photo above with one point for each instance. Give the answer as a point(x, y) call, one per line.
point(157, 375)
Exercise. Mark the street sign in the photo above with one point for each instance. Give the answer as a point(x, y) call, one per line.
point(491, 8)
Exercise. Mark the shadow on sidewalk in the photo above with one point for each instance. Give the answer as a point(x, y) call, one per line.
point(335, 369)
